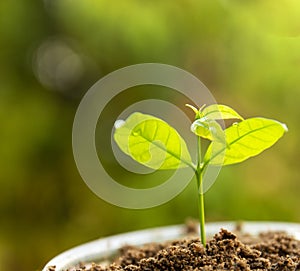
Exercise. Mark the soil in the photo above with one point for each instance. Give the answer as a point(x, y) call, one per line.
point(225, 251)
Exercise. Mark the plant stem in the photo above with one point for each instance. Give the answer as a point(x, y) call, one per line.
point(201, 207)
point(200, 194)
point(199, 156)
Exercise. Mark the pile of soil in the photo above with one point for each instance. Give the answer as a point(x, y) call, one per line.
point(225, 251)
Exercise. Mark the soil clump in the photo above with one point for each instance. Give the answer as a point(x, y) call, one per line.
point(225, 251)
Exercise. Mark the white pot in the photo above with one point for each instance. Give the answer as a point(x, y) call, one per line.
point(102, 248)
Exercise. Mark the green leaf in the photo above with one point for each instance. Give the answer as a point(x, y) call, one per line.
point(244, 140)
point(152, 142)
point(219, 111)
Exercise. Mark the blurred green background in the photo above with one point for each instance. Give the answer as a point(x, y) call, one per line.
point(246, 52)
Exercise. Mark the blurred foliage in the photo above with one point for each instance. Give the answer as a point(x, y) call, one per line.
point(247, 54)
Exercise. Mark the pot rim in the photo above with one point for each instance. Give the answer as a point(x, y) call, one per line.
point(103, 247)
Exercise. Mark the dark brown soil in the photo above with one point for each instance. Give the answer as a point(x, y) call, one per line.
point(270, 251)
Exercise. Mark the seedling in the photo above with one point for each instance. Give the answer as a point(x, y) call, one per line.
point(155, 144)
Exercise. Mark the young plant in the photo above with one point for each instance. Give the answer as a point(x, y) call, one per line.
point(155, 144)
